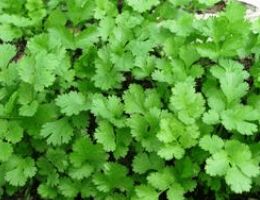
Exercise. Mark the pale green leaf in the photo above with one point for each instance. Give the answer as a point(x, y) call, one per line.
point(72, 103)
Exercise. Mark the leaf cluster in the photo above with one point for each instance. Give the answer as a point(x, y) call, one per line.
point(134, 99)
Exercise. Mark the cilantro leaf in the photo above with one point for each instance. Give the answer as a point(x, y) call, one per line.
point(211, 143)
point(169, 151)
point(35, 9)
point(12, 131)
point(240, 118)
point(134, 98)
point(176, 192)
point(143, 162)
point(162, 179)
point(211, 117)
point(170, 128)
point(68, 188)
point(231, 77)
point(114, 176)
point(237, 166)
point(182, 26)
point(138, 101)
point(29, 110)
point(86, 152)
point(6, 151)
point(82, 172)
point(47, 191)
point(209, 2)
point(9, 32)
point(144, 128)
point(217, 164)
point(37, 71)
point(106, 75)
point(188, 104)
point(243, 158)
point(20, 170)
point(57, 132)
point(105, 136)
point(238, 181)
point(146, 192)
point(176, 137)
point(72, 103)
point(142, 5)
point(109, 108)
point(7, 52)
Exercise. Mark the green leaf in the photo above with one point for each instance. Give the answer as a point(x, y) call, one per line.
point(240, 118)
point(35, 9)
point(6, 151)
point(7, 52)
point(72, 103)
point(213, 143)
point(9, 32)
point(169, 151)
point(86, 152)
point(38, 71)
point(176, 137)
point(182, 26)
point(144, 128)
point(218, 164)
point(180, 2)
point(68, 188)
point(8, 75)
point(176, 192)
point(20, 170)
point(79, 11)
point(110, 109)
point(142, 5)
point(134, 98)
point(211, 117)
point(14, 132)
point(162, 179)
point(57, 132)
point(29, 110)
point(209, 2)
point(15, 20)
point(128, 99)
point(143, 162)
point(235, 11)
point(123, 140)
point(80, 173)
point(241, 157)
point(146, 192)
point(170, 129)
point(47, 191)
point(106, 27)
point(10, 105)
point(232, 79)
point(58, 158)
point(189, 55)
point(114, 176)
point(249, 167)
point(105, 136)
point(106, 75)
point(129, 19)
point(186, 168)
point(188, 104)
point(138, 101)
point(87, 37)
point(208, 50)
point(238, 181)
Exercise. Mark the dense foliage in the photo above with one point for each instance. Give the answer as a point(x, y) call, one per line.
point(128, 99)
